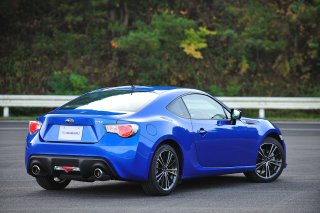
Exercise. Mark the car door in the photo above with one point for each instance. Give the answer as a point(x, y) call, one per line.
point(219, 143)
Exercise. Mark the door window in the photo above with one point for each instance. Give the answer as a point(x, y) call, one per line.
point(203, 107)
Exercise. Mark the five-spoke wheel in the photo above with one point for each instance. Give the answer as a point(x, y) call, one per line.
point(164, 172)
point(270, 162)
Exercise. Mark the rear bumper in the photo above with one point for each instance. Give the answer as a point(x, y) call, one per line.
point(85, 167)
point(123, 160)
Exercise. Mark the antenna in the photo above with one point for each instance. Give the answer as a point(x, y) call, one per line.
point(131, 83)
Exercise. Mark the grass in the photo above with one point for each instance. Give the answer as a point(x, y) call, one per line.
point(286, 115)
point(23, 113)
point(18, 118)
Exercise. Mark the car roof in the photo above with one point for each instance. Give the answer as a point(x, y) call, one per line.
point(157, 89)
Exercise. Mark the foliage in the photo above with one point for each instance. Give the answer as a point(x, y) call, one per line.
point(61, 83)
point(195, 41)
point(249, 47)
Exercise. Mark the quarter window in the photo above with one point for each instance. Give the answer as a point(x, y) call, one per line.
point(178, 108)
point(203, 107)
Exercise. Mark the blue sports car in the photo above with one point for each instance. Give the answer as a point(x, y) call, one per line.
point(157, 136)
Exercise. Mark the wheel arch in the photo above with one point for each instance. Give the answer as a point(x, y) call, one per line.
point(275, 135)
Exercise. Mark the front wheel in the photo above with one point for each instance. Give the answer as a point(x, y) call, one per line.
point(270, 162)
point(52, 183)
point(164, 172)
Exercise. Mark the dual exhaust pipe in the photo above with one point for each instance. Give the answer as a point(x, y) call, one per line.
point(100, 175)
point(97, 172)
point(35, 169)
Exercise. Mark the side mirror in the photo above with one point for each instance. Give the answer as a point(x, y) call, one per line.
point(235, 115)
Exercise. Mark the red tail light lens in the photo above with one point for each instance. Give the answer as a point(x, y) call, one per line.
point(34, 126)
point(123, 130)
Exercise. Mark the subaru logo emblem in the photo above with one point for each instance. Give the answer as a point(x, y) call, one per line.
point(69, 121)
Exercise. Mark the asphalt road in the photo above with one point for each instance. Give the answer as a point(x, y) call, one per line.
point(297, 190)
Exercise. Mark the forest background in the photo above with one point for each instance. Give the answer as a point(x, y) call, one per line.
point(227, 48)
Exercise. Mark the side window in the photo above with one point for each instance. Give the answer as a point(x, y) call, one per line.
point(203, 107)
point(178, 108)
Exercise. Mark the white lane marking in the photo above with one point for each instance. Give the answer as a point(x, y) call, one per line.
point(296, 129)
point(296, 122)
point(14, 128)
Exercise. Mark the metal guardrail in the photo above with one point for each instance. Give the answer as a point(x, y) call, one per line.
point(261, 103)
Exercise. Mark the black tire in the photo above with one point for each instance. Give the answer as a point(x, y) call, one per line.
point(51, 183)
point(163, 177)
point(270, 162)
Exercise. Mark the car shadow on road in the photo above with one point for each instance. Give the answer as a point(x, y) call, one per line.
point(123, 189)
point(215, 182)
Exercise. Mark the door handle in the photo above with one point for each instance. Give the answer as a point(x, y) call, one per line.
point(202, 131)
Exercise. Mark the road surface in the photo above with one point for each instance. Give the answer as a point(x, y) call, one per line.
point(297, 190)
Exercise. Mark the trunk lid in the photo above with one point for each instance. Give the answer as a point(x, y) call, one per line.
point(77, 128)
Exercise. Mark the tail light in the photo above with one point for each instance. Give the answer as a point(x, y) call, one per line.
point(123, 130)
point(34, 126)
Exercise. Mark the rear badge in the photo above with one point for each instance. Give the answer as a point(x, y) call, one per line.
point(67, 168)
point(69, 121)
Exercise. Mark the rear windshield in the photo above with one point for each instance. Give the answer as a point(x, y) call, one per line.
point(112, 101)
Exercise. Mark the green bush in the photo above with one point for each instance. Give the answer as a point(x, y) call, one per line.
point(72, 84)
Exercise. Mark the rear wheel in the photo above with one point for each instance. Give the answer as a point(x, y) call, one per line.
point(164, 172)
point(52, 183)
point(270, 162)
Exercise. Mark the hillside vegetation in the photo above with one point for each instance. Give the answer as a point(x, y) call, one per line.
point(232, 48)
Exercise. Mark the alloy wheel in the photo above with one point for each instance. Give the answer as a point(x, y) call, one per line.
point(269, 161)
point(166, 170)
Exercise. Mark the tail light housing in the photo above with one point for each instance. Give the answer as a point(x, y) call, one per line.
point(34, 126)
point(123, 130)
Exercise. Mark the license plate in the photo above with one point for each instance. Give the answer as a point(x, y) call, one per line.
point(70, 133)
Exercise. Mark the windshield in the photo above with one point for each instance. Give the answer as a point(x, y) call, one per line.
point(112, 101)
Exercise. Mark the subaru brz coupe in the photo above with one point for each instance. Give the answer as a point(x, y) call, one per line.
point(157, 136)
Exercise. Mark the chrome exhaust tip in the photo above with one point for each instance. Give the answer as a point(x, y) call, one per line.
point(98, 173)
point(35, 169)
